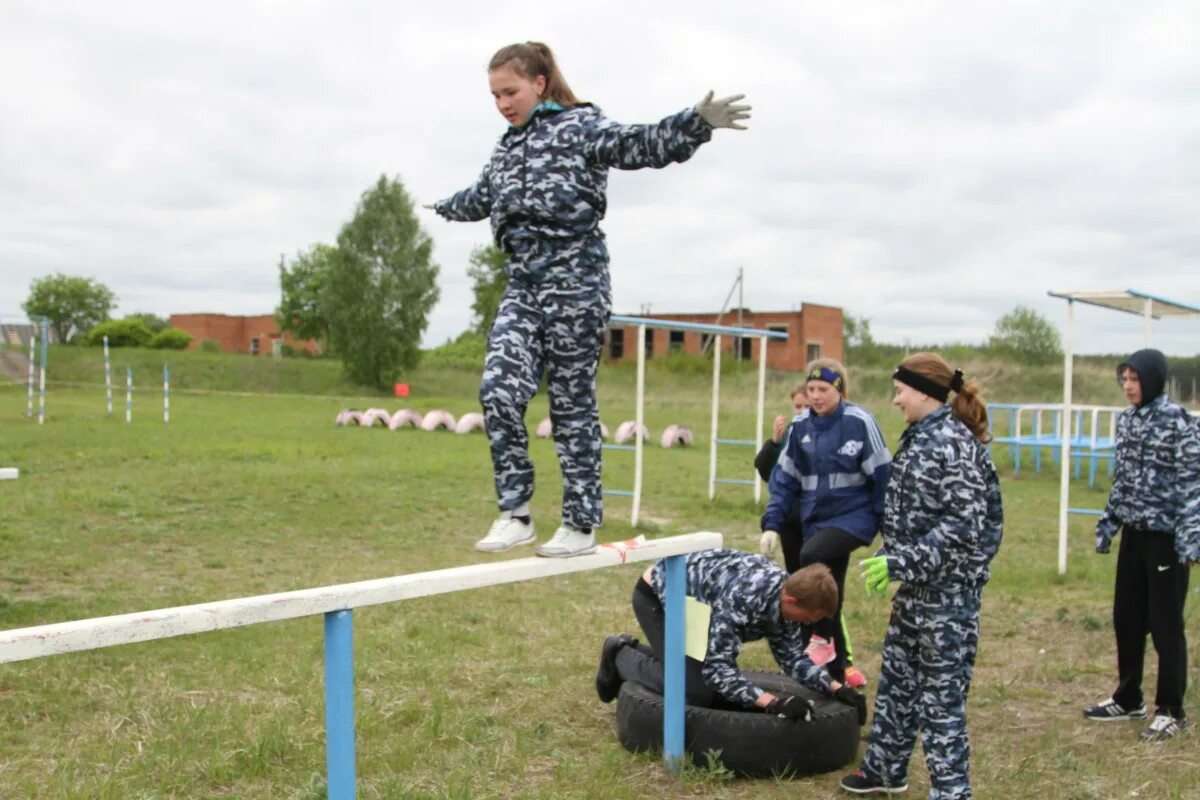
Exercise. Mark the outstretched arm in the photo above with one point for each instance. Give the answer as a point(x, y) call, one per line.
point(471, 204)
point(673, 140)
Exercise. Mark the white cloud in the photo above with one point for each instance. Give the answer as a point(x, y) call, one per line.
point(926, 165)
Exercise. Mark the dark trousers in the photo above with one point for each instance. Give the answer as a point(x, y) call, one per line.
point(644, 664)
point(832, 547)
point(1150, 593)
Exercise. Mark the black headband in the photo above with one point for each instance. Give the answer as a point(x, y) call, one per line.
point(928, 385)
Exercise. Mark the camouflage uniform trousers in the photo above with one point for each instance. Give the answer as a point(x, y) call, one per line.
point(551, 322)
point(928, 660)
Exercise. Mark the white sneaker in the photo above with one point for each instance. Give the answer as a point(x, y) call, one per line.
point(567, 542)
point(505, 534)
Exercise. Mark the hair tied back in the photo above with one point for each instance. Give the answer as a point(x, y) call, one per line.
point(956, 382)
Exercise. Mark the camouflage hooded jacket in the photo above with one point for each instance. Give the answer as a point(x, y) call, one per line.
point(743, 590)
point(1156, 483)
point(546, 181)
point(942, 516)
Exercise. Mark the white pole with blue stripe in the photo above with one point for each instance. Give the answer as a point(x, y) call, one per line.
point(45, 342)
point(128, 394)
point(107, 378)
point(32, 362)
point(166, 394)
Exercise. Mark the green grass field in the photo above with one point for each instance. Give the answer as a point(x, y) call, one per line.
point(485, 694)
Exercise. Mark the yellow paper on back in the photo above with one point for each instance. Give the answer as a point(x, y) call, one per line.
point(696, 616)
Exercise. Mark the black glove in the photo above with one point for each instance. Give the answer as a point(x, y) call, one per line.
point(790, 706)
point(855, 700)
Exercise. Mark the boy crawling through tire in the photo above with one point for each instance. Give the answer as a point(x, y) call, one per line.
point(751, 598)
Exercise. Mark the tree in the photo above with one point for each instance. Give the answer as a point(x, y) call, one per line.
point(381, 286)
point(73, 305)
point(301, 308)
point(153, 322)
point(1025, 334)
point(488, 281)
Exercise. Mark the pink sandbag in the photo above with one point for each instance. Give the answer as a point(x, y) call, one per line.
point(438, 419)
point(403, 418)
point(677, 435)
point(472, 421)
point(626, 429)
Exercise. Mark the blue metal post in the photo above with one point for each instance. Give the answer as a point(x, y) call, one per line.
point(673, 667)
point(339, 704)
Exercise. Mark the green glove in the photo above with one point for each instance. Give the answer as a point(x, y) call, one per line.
point(876, 575)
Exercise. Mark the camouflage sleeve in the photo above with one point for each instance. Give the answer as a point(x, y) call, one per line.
point(671, 141)
point(1109, 525)
point(784, 484)
point(1187, 534)
point(471, 204)
point(789, 653)
point(959, 492)
point(720, 670)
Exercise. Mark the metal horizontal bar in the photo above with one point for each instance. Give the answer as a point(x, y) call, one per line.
point(1090, 512)
point(618, 447)
point(734, 481)
point(725, 330)
point(90, 634)
point(738, 442)
point(617, 492)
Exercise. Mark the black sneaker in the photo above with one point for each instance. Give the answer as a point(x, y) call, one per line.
point(608, 680)
point(858, 783)
point(1164, 727)
point(1111, 711)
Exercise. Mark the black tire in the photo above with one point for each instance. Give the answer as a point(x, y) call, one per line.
point(747, 742)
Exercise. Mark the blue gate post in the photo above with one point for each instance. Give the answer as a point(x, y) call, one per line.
point(339, 704)
point(673, 668)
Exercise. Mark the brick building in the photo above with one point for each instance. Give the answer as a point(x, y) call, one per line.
point(813, 332)
point(258, 335)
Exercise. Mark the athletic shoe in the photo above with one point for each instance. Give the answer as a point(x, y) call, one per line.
point(567, 542)
point(858, 783)
point(1110, 711)
point(854, 678)
point(820, 650)
point(1164, 727)
point(608, 680)
point(506, 533)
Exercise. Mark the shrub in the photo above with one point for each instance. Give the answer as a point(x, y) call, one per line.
point(171, 339)
point(210, 346)
point(467, 351)
point(120, 333)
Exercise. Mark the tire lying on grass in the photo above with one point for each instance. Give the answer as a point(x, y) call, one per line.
point(749, 743)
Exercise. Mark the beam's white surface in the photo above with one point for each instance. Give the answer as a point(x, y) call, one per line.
point(22, 644)
point(9, 473)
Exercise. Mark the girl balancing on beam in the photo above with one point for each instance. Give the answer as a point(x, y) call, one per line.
point(544, 189)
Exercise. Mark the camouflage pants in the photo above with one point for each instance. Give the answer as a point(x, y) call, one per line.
point(928, 659)
point(553, 323)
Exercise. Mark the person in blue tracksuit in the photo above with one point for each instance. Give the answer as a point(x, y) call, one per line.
point(544, 189)
point(836, 463)
point(1155, 500)
point(942, 525)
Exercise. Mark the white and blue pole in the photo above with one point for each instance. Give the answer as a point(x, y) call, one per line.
point(166, 394)
point(107, 377)
point(339, 705)
point(128, 394)
point(32, 368)
point(673, 664)
point(42, 390)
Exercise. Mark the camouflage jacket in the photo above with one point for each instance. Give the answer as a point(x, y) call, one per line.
point(743, 590)
point(546, 182)
point(1156, 482)
point(942, 517)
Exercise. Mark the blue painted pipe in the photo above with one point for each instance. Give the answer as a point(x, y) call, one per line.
point(339, 704)
point(673, 666)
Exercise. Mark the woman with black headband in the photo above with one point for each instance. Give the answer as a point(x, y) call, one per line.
point(941, 527)
point(835, 464)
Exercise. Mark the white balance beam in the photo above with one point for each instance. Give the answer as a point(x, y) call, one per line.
point(22, 644)
point(9, 473)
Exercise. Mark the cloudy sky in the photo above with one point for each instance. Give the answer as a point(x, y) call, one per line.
point(927, 165)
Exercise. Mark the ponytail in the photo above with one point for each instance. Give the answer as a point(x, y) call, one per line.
point(531, 59)
point(968, 405)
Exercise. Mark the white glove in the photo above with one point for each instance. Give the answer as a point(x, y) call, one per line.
point(722, 113)
point(768, 543)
